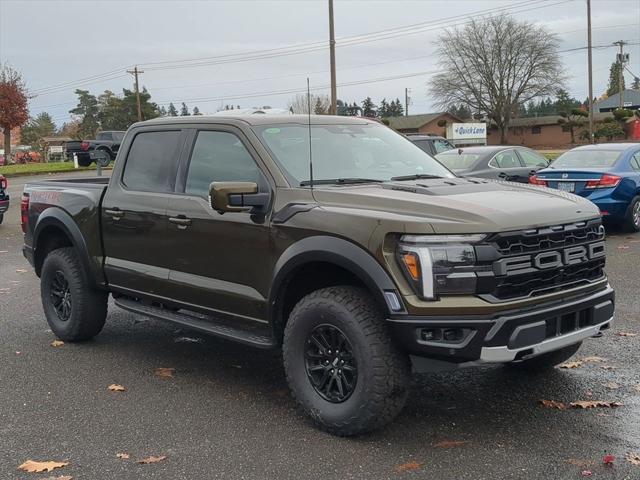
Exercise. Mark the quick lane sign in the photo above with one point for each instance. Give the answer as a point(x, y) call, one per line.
point(467, 131)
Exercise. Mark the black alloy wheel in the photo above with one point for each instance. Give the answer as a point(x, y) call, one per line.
point(61, 296)
point(330, 363)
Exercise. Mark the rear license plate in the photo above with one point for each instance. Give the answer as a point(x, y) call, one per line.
point(566, 186)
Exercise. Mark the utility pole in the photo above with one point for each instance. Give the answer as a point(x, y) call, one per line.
point(406, 102)
point(135, 73)
point(590, 71)
point(332, 58)
point(621, 62)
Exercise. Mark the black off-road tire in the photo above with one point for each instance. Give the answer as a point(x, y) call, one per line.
point(87, 307)
point(383, 372)
point(1, 217)
point(632, 220)
point(546, 361)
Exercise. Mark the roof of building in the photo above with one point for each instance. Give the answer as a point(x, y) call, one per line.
point(632, 96)
point(416, 121)
point(550, 120)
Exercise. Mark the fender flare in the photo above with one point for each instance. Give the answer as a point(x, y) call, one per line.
point(339, 252)
point(62, 220)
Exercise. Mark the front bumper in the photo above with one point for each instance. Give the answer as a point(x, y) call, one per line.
point(505, 336)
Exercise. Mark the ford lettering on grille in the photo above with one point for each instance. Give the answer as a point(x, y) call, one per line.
point(552, 259)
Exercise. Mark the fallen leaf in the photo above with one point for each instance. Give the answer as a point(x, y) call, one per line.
point(571, 365)
point(61, 477)
point(124, 456)
point(152, 459)
point(586, 473)
point(32, 466)
point(633, 458)
point(607, 367)
point(589, 393)
point(626, 334)
point(165, 372)
point(553, 404)
point(595, 404)
point(611, 385)
point(21, 270)
point(449, 443)
point(608, 459)
point(409, 467)
point(637, 387)
point(116, 388)
point(623, 247)
point(594, 359)
point(57, 343)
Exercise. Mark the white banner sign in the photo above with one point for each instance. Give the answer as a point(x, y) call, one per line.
point(467, 131)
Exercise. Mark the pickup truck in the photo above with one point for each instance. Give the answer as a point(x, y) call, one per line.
point(333, 239)
point(107, 141)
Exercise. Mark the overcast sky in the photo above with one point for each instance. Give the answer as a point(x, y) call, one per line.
point(63, 43)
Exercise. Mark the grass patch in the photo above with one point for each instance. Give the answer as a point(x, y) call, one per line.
point(35, 168)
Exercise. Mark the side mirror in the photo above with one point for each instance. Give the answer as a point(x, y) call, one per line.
point(236, 197)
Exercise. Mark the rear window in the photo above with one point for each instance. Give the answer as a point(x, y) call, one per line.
point(586, 159)
point(457, 161)
point(152, 161)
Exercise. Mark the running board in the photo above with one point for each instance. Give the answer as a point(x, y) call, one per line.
point(200, 323)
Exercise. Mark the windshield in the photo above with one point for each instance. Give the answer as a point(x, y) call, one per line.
point(372, 152)
point(586, 159)
point(118, 136)
point(458, 161)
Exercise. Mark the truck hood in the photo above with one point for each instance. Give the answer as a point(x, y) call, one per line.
point(459, 205)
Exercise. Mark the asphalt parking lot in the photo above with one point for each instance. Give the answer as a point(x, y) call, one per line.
point(226, 411)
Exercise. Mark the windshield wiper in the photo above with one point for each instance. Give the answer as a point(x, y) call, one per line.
point(340, 181)
point(417, 176)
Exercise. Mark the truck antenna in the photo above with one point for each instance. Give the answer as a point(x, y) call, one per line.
point(309, 125)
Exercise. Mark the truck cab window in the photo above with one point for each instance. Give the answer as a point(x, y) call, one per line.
point(219, 157)
point(152, 160)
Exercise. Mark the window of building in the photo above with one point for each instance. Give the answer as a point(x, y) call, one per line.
point(536, 130)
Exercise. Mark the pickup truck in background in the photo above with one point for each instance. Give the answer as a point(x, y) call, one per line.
point(382, 262)
point(108, 141)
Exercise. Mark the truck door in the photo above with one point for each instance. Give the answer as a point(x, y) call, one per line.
point(219, 262)
point(134, 209)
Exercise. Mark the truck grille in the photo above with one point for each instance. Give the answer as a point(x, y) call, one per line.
point(530, 281)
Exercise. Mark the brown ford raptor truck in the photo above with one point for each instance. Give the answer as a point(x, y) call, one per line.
point(375, 263)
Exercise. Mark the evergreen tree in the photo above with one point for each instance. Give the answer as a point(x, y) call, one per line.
point(615, 74)
point(368, 108)
point(196, 111)
point(172, 111)
point(384, 109)
point(398, 109)
point(87, 109)
point(184, 110)
point(37, 128)
point(162, 111)
point(636, 83)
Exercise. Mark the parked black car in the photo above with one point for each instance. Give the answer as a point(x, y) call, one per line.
point(109, 142)
point(431, 144)
point(504, 162)
point(4, 197)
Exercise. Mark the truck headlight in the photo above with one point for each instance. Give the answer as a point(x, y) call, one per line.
point(440, 264)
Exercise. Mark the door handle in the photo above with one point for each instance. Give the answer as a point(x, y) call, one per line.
point(115, 212)
point(181, 221)
point(503, 175)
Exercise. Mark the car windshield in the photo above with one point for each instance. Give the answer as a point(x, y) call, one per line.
point(363, 152)
point(458, 161)
point(586, 159)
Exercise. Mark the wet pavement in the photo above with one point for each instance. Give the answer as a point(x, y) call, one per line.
point(227, 413)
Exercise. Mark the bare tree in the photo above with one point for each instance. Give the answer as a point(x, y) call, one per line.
point(319, 103)
point(494, 65)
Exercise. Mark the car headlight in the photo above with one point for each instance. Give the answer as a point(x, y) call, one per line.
point(440, 264)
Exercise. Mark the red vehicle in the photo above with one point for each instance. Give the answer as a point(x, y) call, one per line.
point(4, 197)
